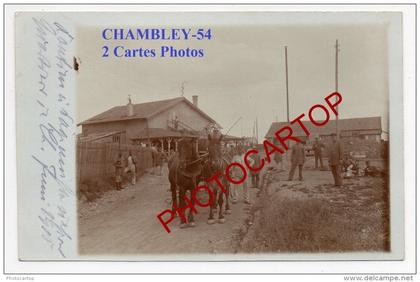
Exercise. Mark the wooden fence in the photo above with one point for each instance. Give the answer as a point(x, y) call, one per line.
point(95, 161)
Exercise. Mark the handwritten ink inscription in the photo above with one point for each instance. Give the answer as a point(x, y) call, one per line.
point(55, 130)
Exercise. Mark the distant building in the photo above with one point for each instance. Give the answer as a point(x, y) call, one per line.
point(159, 123)
point(363, 128)
point(361, 135)
point(234, 141)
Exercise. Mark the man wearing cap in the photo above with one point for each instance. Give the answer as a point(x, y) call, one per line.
point(317, 148)
point(256, 162)
point(215, 143)
point(298, 159)
point(335, 158)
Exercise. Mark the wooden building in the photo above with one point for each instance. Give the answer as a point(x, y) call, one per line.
point(368, 128)
point(360, 136)
point(159, 123)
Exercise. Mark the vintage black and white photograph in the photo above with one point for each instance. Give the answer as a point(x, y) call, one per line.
point(264, 134)
point(210, 139)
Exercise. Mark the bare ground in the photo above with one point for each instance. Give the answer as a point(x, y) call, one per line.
point(315, 216)
point(125, 223)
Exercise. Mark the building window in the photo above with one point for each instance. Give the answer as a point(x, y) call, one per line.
point(115, 138)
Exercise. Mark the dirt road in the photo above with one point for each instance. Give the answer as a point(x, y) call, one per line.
point(124, 222)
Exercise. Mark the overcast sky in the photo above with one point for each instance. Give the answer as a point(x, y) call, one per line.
point(243, 71)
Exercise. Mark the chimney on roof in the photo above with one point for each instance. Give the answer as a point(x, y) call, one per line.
point(130, 108)
point(195, 100)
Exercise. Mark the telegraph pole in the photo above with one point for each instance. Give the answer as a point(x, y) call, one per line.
point(336, 85)
point(256, 128)
point(287, 97)
point(253, 133)
point(287, 84)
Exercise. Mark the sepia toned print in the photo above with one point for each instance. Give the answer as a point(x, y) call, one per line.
point(275, 141)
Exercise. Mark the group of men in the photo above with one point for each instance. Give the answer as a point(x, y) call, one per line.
point(252, 180)
point(335, 158)
point(128, 166)
point(158, 158)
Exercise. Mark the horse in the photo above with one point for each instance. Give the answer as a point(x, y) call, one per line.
point(185, 169)
point(216, 163)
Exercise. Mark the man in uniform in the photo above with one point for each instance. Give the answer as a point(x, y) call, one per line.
point(298, 159)
point(118, 172)
point(317, 148)
point(131, 167)
point(215, 149)
point(335, 158)
point(255, 175)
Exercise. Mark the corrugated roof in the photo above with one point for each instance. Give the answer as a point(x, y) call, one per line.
point(97, 136)
point(232, 138)
point(161, 132)
point(141, 111)
point(373, 124)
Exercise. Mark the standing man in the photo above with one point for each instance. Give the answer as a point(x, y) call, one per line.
point(236, 174)
point(246, 184)
point(317, 148)
point(118, 172)
point(154, 158)
point(298, 159)
point(171, 156)
point(131, 167)
point(160, 156)
point(214, 144)
point(335, 158)
point(256, 163)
